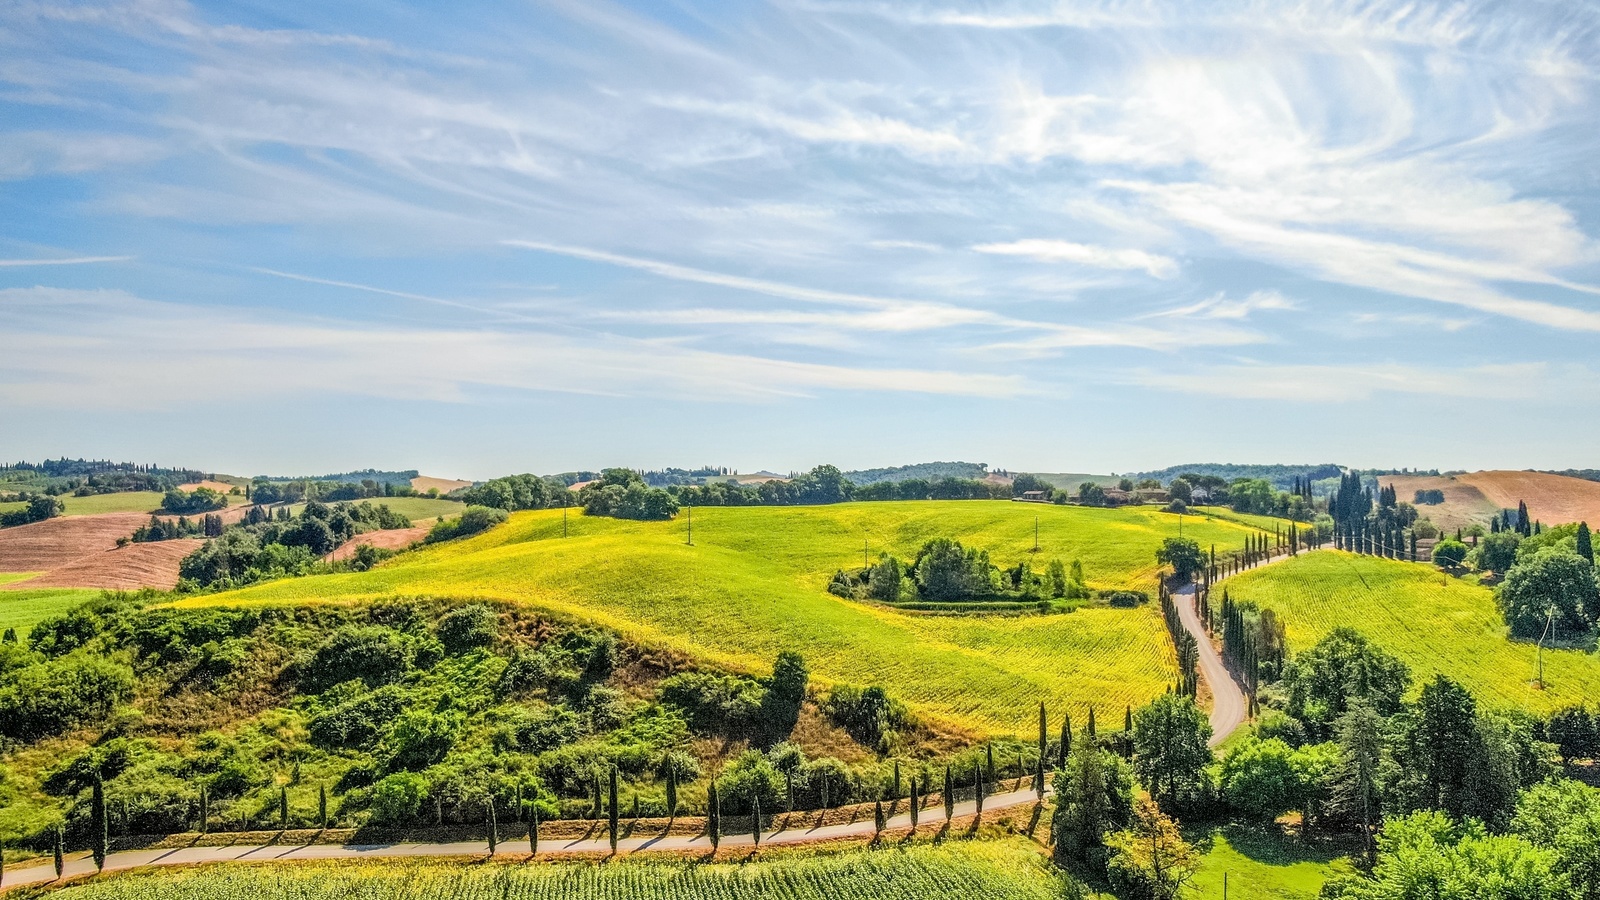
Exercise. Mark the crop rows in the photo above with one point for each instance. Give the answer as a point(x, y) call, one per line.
point(965, 870)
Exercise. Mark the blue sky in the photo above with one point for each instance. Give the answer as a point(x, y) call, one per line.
point(489, 237)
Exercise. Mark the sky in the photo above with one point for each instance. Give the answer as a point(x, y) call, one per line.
point(480, 238)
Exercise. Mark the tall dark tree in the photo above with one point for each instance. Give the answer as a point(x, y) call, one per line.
point(878, 820)
point(283, 807)
point(322, 806)
point(1170, 751)
point(786, 693)
point(1585, 542)
point(672, 792)
point(755, 817)
point(494, 827)
point(949, 795)
point(1435, 750)
point(1066, 740)
point(59, 851)
point(713, 815)
point(98, 825)
point(533, 828)
point(611, 809)
point(1355, 794)
point(914, 802)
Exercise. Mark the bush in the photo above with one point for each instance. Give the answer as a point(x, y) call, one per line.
point(714, 703)
point(1498, 552)
point(466, 627)
point(420, 738)
point(357, 723)
point(50, 697)
point(868, 714)
point(1556, 579)
point(1448, 554)
point(473, 520)
point(372, 654)
point(397, 798)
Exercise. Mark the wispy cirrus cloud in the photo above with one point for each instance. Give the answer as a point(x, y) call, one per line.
point(63, 261)
point(1054, 251)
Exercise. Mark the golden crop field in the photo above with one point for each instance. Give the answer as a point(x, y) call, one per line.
point(1435, 623)
point(754, 583)
point(958, 869)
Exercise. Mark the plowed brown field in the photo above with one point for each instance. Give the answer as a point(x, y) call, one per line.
point(53, 543)
point(1477, 496)
point(393, 539)
point(1551, 499)
point(123, 569)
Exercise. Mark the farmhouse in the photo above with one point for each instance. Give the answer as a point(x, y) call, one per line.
point(1034, 497)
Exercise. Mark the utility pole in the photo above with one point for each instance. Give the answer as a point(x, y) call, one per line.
point(1036, 534)
point(691, 526)
point(1549, 620)
point(864, 553)
point(563, 520)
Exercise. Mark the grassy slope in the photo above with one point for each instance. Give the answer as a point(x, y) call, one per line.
point(1432, 621)
point(959, 869)
point(20, 609)
point(755, 584)
point(1261, 866)
point(128, 501)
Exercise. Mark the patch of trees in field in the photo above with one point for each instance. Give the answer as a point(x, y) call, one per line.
point(277, 544)
point(84, 478)
point(39, 507)
point(270, 492)
point(200, 500)
point(945, 572)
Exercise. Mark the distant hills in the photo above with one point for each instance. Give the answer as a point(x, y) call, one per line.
point(928, 470)
point(1282, 477)
point(381, 477)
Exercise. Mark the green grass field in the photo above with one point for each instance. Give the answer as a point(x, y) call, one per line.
point(959, 870)
point(1262, 866)
point(754, 583)
point(20, 609)
point(1432, 621)
point(129, 501)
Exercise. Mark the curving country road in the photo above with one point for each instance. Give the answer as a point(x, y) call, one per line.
point(1229, 708)
point(80, 864)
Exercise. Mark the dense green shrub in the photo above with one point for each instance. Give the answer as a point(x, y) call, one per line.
point(358, 722)
point(52, 696)
point(869, 715)
point(201, 500)
point(373, 654)
point(473, 520)
point(467, 627)
point(397, 798)
point(715, 702)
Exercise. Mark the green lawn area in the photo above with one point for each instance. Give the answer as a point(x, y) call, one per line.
point(21, 608)
point(754, 583)
point(1436, 623)
point(131, 501)
point(1262, 866)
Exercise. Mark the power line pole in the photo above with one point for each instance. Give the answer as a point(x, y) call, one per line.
point(864, 553)
point(691, 526)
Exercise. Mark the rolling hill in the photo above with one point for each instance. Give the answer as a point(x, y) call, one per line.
point(754, 583)
point(1435, 623)
point(1478, 496)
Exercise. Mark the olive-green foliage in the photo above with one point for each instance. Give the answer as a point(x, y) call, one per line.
point(1429, 855)
point(474, 520)
point(52, 695)
point(1553, 585)
point(465, 627)
point(1322, 681)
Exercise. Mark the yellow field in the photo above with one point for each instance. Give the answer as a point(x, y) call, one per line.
point(1436, 623)
point(754, 583)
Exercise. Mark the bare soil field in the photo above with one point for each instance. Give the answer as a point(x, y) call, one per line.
point(1477, 496)
point(53, 543)
point(445, 485)
point(122, 569)
point(1463, 503)
point(1551, 499)
point(393, 539)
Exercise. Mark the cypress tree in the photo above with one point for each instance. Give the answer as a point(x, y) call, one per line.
point(59, 852)
point(533, 828)
point(896, 794)
point(494, 828)
point(949, 795)
point(322, 806)
point(672, 793)
point(598, 803)
point(916, 802)
point(1066, 740)
point(611, 813)
point(877, 818)
point(755, 817)
point(97, 822)
point(283, 808)
point(1090, 728)
point(1127, 721)
point(516, 802)
point(1044, 736)
point(1585, 542)
point(713, 816)
point(977, 787)
point(205, 809)
point(989, 756)
point(1038, 778)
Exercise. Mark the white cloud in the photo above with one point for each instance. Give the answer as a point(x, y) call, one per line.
point(65, 261)
point(1345, 383)
point(1218, 306)
point(1053, 251)
point(111, 349)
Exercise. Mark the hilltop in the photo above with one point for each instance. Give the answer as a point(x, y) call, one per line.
point(1475, 497)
